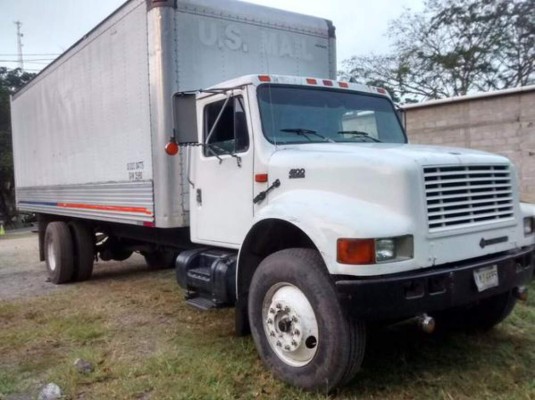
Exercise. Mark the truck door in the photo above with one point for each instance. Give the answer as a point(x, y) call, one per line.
point(222, 199)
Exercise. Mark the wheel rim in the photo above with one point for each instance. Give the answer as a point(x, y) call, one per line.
point(51, 256)
point(290, 324)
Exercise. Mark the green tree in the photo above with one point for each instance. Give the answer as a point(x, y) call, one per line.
point(454, 47)
point(10, 81)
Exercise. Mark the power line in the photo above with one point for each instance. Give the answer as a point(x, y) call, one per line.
point(29, 60)
point(29, 54)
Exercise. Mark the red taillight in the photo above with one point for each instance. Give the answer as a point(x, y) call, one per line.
point(149, 224)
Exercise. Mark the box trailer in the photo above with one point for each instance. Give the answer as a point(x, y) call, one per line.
point(213, 136)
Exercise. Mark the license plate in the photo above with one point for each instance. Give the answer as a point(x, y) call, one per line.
point(486, 278)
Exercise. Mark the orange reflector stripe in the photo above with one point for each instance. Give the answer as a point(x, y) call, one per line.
point(327, 83)
point(139, 210)
point(355, 251)
point(264, 78)
point(311, 81)
point(343, 84)
point(261, 178)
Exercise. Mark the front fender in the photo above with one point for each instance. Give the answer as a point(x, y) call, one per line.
point(325, 217)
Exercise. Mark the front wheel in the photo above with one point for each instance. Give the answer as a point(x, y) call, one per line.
point(298, 325)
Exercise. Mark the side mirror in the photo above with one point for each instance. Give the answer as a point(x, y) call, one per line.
point(185, 118)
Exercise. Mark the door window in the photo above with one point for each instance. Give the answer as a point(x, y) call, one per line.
point(225, 127)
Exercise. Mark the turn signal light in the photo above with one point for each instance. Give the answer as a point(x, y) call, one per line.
point(355, 251)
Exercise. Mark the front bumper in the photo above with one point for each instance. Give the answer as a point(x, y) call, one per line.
point(404, 295)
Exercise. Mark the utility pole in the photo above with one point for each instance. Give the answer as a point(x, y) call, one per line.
point(19, 44)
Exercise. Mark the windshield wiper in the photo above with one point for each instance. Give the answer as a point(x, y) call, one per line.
point(360, 134)
point(305, 132)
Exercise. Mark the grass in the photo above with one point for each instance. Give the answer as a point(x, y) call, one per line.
point(146, 343)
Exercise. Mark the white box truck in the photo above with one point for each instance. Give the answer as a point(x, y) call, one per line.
point(294, 197)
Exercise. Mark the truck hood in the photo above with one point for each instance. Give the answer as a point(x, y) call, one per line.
point(384, 174)
point(387, 152)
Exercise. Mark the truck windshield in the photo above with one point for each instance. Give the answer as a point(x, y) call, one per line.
point(292, 114)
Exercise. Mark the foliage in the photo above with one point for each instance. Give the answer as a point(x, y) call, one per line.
point(10, 81)
point(452, 48)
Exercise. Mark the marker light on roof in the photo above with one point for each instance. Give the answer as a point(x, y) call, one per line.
point(327, 83)
point(343, 84)
point(264, 78)
point(381, 90)
point(311, 81)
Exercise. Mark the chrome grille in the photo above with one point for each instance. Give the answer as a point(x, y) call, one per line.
point(461, 195)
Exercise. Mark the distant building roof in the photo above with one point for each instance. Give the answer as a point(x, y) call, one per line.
point(477, 96)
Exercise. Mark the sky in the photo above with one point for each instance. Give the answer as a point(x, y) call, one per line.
point(52, 26)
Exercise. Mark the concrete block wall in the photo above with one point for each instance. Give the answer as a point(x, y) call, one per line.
point(500, 122)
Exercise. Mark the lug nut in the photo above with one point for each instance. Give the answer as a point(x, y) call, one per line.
point(272, 333)
point(269, 321)
point(278, 305)
point(294, 343)
point(279, 344)
point(287, 309)
point(287, 348)
point(294, 318)
point(272, 311)
point(296, 332)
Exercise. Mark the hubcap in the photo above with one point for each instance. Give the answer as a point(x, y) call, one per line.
point(50, 256)
point(290, 324)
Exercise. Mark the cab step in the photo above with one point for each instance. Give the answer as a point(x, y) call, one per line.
point(202, 303)
point(208, 275)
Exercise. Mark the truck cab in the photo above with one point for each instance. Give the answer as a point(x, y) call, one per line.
point(312, 178)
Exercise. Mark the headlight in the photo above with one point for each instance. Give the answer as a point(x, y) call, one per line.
point(385, 249)
point(529, 225)
point(374, 251)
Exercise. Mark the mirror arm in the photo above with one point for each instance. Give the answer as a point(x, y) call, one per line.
point(212, 130)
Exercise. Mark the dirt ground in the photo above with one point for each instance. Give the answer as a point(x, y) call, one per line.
point(22, 275)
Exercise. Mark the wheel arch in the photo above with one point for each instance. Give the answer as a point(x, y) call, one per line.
point(259, 243)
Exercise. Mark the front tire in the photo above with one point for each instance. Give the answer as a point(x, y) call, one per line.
point(59, 252)
point(298, 325)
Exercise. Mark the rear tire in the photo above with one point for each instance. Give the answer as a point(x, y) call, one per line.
point(84, 251)
point(160, 259)
point(59, 252)
point(478, 317)
point(298, 325)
